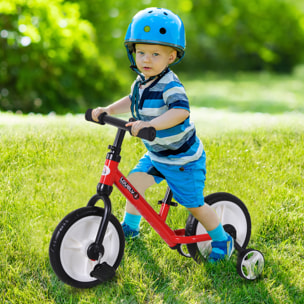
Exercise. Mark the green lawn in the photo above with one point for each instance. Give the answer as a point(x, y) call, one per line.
point(239, 92)
point(51, 165)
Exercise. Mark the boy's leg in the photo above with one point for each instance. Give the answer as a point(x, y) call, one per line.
point(141, 181)
point(206, 216)
point(222, 243)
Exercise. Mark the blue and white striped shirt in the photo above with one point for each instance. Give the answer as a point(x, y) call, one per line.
point(177, 145)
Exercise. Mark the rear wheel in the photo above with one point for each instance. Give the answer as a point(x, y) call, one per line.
point(70, 242)
point(234, 217)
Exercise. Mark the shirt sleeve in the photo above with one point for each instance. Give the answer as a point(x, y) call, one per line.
point(175, 96)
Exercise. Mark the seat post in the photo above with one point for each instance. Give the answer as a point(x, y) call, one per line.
point(166, 203)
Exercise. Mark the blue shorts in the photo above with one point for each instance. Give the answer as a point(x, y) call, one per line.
point(187, 182)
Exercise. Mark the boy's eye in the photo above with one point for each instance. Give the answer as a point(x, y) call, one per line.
point(155, 54)
point(140, 52)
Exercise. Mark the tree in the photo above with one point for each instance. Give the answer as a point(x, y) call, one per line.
point(49, 58)
point(246, 35)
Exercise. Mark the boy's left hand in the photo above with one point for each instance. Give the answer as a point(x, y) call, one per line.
point(137, 126)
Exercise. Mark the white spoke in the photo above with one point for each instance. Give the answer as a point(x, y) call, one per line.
point(220, 211)
point(73, 244)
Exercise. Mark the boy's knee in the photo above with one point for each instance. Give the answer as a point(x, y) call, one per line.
point(141, 180)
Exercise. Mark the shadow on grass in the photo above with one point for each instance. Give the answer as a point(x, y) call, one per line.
point(141, 279)
point(151, 279)
point(221, 283)
point(281, 282)
point(274, 286)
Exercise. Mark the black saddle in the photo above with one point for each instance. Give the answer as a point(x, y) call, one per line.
point(153, 171)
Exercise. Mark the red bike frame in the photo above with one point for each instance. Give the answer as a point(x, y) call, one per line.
point(111, 175)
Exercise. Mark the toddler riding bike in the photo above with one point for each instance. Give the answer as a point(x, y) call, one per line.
point(87, 246)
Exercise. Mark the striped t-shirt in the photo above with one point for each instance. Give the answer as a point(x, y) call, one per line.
point(177, 145)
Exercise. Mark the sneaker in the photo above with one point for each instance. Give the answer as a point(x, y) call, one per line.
point(129, 233)
point(221, 250)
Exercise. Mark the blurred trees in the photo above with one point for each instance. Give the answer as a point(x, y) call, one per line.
point(49, 58)
point(64, 56)
point(247, 35)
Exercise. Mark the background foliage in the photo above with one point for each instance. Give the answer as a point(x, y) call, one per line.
point(66, 56)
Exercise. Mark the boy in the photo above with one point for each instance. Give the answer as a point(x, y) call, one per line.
point(158, 99)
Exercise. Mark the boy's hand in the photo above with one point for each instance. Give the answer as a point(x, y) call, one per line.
point(96, 112)
point(137, 126)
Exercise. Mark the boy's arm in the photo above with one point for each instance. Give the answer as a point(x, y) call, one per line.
point(167, 120)
point(118, 107)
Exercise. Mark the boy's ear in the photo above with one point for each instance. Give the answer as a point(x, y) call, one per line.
point(172, 56)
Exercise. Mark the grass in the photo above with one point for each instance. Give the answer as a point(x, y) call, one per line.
point(50, 166)
point(263, 92)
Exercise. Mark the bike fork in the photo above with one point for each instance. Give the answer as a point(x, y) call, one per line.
point(96, 250)
point(103, 272)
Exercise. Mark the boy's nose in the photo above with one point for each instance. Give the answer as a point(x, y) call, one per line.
point(147, 58)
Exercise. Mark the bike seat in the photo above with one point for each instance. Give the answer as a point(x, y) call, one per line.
point(153, 171)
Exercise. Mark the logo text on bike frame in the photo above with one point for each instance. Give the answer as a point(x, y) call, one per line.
point(129, 188)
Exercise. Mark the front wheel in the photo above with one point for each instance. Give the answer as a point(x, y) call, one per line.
point(234, 217)
point(70, 242)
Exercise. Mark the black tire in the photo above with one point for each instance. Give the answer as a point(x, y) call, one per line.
point(71, 239)
point(250, 264)
point(233, 215)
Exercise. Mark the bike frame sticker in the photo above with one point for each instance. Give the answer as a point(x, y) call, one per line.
point(125, 184)
point(106, 170)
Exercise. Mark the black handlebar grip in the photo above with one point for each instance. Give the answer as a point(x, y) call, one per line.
point(147, 133)
point(88, 115)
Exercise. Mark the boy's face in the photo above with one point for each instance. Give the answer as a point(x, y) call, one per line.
point(152, 59)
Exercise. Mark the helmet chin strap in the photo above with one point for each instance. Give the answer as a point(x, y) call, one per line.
point(133, 64)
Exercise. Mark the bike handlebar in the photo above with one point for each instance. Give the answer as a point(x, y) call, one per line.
point(104, 118)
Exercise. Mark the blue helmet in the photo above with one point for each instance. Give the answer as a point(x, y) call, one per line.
point(156, 26)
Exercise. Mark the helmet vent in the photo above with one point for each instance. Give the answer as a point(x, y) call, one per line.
point(165, 13)
point(163, 30)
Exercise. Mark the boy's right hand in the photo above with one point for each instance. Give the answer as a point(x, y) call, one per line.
point(96, 112)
